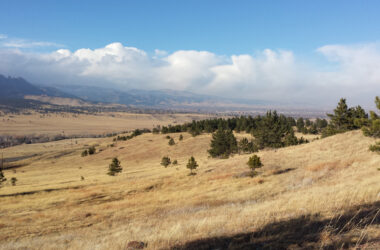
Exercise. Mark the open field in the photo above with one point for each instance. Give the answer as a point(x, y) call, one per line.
point(322, 194)
point(83, 124)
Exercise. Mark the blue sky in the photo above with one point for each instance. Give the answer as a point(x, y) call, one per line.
point(311, 51)
point(222, 27)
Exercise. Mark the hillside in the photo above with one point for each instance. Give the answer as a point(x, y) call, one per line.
point(17, 88)
point(325, 194)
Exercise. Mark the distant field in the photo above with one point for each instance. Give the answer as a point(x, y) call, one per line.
point(82, 124)
point(307, 196)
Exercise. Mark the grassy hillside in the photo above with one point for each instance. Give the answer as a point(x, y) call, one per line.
point(322, 194)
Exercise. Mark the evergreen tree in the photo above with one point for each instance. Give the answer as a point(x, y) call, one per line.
point(165, 161)
point(171, 142)
point(300, 125)
point(115, 167)
point(223, 143)
point(341, 117)
point(253, 163)
point(373, 126)
point(192, 165)
point(91, 150)
point(13, 181)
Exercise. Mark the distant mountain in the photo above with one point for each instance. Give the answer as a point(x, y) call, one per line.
point(74, 95)
point(153, 98)
point(18, 88)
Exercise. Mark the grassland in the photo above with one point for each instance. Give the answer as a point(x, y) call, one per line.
point(317, 195)
point(86, 124)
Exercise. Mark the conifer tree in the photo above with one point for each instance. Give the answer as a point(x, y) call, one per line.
point(253, 163)
point(165, 161)
point(171, 142)
point(223, 143)
point(115, 167)
point(192, 165)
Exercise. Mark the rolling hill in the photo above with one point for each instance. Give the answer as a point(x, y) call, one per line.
point(325, 194)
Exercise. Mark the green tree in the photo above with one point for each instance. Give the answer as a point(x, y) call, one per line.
point(254, 162)
point(91, 150)
point(341, 117)
point(13, 181)
point(192, 165)
point(373, 126)
point(223, 143)
point(300, 124)
point(165, 161)
point(171, 142)
point(115, 167)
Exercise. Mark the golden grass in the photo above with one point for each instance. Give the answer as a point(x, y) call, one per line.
point(165, 206)
point(87, 124)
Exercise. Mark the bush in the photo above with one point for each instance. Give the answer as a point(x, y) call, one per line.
point(115, 167)
point(253, 163)
point(181, 137)
point(167, 137)
point(375, 147)
point(84, 153)
point(192, 165)
point(175, 162)
point(165, 161)
point(13, 181)
point(91, 150)
point(2, 177)
point(171, 142)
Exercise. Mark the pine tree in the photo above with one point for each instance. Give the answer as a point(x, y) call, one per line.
point(192, 165)
point(114, 167)
point(253, 163)
point(171, 142)
point(165, 161)
point(340, 118)
point(223, 143)
point(373, 126)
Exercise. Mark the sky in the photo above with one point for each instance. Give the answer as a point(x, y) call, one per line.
point(308, 51)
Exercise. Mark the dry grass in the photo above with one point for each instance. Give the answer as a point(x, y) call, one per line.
point(309, 184)
point(87, 124)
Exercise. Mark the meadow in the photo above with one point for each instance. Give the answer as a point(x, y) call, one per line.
point(324, 194)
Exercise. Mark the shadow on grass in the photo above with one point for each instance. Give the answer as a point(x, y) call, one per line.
point(305, 232)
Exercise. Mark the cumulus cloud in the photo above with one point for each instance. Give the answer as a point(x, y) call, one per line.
point(275, 75)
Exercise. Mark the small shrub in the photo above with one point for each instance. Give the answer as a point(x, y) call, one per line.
point(171, 142)
point(114, 167)
point(165, 161)
point(175, 162)
point(375, 147)
point(91, 150)
point(192, 165)
point(13, 181)
point(253, 163)
point(167, 137)
point(82, 178)
point(181, 137)
point(84, 153)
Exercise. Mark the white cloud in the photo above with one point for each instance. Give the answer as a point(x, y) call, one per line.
point(3, 36)
point(268, 75)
